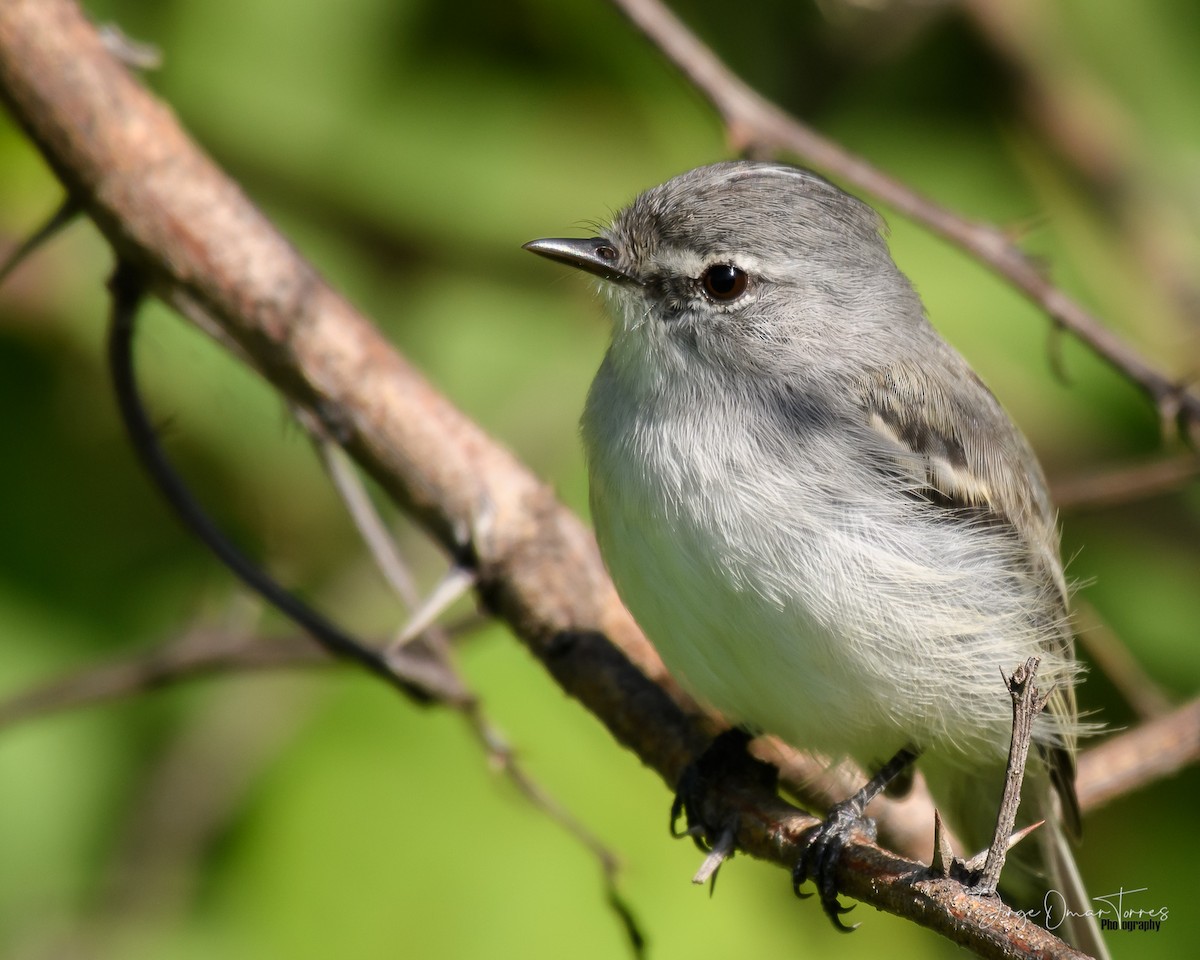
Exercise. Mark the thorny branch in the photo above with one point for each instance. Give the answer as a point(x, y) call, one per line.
point(1028, 702)
point(205, 250)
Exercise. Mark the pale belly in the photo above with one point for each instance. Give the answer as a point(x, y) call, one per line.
point(840, 637)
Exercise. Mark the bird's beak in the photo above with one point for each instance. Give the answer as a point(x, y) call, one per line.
point(595, 255)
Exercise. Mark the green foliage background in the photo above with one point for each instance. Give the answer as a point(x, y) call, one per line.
point(409, 148)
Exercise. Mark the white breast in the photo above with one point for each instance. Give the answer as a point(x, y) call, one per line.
point(793, 607)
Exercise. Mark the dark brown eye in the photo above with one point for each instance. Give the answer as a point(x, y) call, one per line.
point(724, 281)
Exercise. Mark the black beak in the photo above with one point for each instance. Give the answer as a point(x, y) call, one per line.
point(596, 256)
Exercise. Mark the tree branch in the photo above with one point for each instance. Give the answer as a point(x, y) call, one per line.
point(1100, 490)
point(1158, 748)
point(200, 652)
point(756, 125)
point(205, 249)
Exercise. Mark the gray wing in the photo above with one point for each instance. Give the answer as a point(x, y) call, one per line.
point(960, 451)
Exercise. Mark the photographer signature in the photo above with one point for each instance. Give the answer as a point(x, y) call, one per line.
point(1113, 912)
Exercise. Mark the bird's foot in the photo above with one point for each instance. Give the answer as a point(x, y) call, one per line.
point(820, 859)
point(712, 829)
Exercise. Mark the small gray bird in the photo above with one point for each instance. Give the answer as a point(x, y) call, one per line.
point(820, 516)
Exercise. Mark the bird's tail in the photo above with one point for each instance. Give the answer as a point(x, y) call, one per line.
point(1067, 895)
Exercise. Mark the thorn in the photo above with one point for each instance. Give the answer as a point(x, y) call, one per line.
point(1021, 834)
point(371, 526)
point(67, 211)
point(943, 855)
point(977, 861)
point(457, 582)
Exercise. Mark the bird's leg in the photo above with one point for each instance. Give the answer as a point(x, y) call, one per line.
point(726, 757)
point(820, 858)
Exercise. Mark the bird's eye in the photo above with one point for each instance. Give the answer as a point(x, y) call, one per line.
point(723, 281)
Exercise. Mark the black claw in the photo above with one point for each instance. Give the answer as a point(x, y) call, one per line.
point(687, 794)
point(837, 920)
point(677, 806)
point(820, 859)
point(725, 758)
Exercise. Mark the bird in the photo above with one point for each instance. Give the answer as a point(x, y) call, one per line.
point(817, 512)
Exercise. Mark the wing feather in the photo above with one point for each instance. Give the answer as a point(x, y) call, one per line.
point(959, 451)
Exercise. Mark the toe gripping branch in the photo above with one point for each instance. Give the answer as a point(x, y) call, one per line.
point(820, 859)
point(714, 831)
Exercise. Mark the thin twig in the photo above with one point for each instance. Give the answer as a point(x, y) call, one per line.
point(1086, 126)
point(1101, 490)
point(201, 652)
point(754, 123)
point(1112, 656)
point(1028, 702)
point(368, 522)
point(198, 654)
point(1122, 763)
point(61, 218)
point(456, 584)
point(1146, 754)
point(388, 560)
point(502, 757)
point(127, 288)
point(384, 551)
